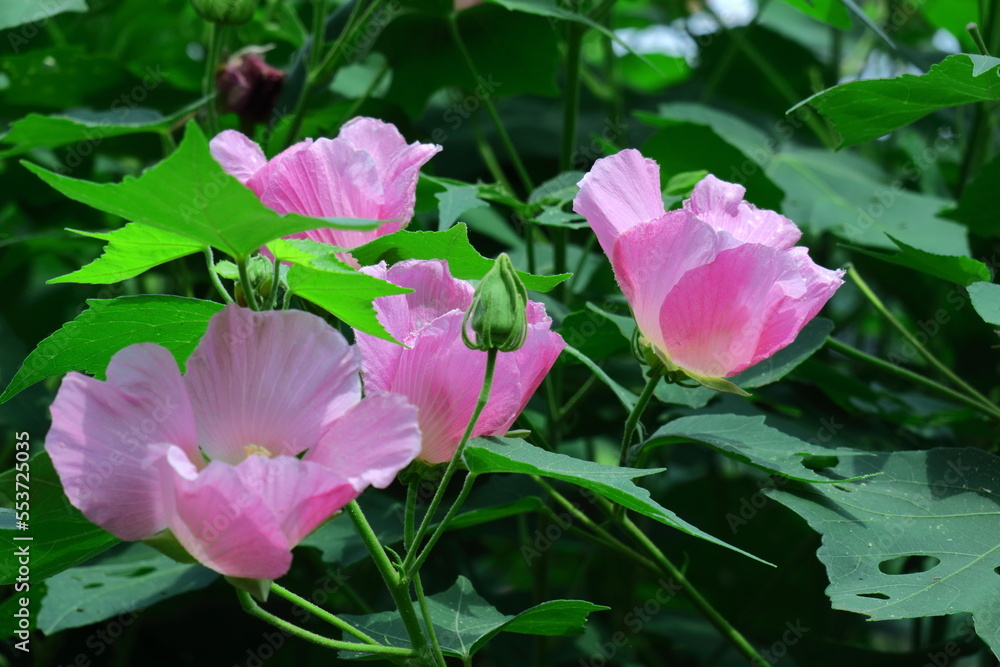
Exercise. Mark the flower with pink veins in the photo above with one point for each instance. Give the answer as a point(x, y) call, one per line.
point(438, 373)
point(212, 456)
point(715, 286)
point(368, 171)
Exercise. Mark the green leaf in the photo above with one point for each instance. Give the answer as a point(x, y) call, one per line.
point(189, 194)
point(979, 206)
point(827, 11)
point(509, 455)
point(456, 200)
point(751, 441)
point(849, 196)
point(451, 245)
point(120, 585)
point(60, 535)
point(627, 398)
point(86, 127)
point(954, 269)
point(464, 622)
point(939, 508)
point(57, 78)
point(19, 12)
point(864, 110)
point(131, 250)
point(986, 300)
point(89, 341)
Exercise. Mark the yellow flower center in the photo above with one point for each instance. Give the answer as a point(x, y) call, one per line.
point(257, 450)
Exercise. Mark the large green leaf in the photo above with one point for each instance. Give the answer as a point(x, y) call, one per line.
point(456, 200)
point(955, 269)
point(451, 245)
point(750, 440)
point(464, 622)
point(189, 194)
point(979, 205)
point(87, 128)
point(129, 581)
point(131, 250)
point(938, 509)
point(986, 300)
point(19, 12)
point(506, 455)
point(88, 342)
point(828, 11)
point(60, 535)
point(865, 110)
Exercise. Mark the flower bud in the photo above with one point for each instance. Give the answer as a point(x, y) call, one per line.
point(498, 314)
point(225, 12)
point(249, 86)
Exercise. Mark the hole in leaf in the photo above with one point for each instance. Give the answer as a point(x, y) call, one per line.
point(997, 569)
point(877, 596)
point(141, 572)
point(817, 463)
point(909, 564)
point(94, 584)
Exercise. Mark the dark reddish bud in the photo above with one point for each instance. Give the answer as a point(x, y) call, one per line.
point(249, 87)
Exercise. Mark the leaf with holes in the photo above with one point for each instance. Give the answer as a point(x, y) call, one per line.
point(464, 622)
point(122, 584)
point(937, 509)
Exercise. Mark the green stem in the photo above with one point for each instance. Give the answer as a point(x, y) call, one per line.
point(319, 29)
point(410, 513)
point(633, 418)
point(248, 292)
point(910, 376)
point(570, 405)
point(923, 351)
point(484, 395)
point(425, 611)
point(571, 108)
point(397, 587)
point(214, 276)
point(215, 39)
point(272, 300)
point(490, 158)
point(490, 109)
point(707, 610)
point(443, 526)
point(321, 613)
point(251, 607)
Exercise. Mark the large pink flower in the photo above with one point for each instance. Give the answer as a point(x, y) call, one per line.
point(260, 389)
point(716, 286)
point(438, 373)
point(368, 171)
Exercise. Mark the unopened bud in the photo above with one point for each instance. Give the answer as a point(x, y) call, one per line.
point(498, 314)
point(225, 12)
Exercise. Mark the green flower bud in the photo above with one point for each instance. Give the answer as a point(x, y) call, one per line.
point(225, 12)
point(498, 314)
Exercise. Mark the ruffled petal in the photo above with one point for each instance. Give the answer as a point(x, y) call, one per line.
point(274, 379)
point(225, 525)
point(721, 205)
point(238, 154)
point(107, 439)
point(371, 442)
point(619, 191)
point(712, 320)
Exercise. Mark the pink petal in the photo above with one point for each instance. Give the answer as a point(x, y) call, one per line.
point(650, 258)
point(721, 205)
point(274, 379)
point(105, 440)
point(712, 320)
point(237, 154)
point(225, 525)
point(301, 495)
point(371, 442)
point(619, 191)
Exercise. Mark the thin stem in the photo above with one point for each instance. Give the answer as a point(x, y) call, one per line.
point(215, 39)
point(275, 279)
point(248, 293)
point(214, 276)
point(321, 613)
point(410, 513)
point(443, 526)
point(707, 610)
point(633, 417)
point(397, 588)
point(425, 611)
point(319, 29)
point(484, 394)
point(571, 108)
point(489, 157)
point(490, 109)
point(570, 405)
point(910, 376)
point(923, 351)
point(251, 607)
